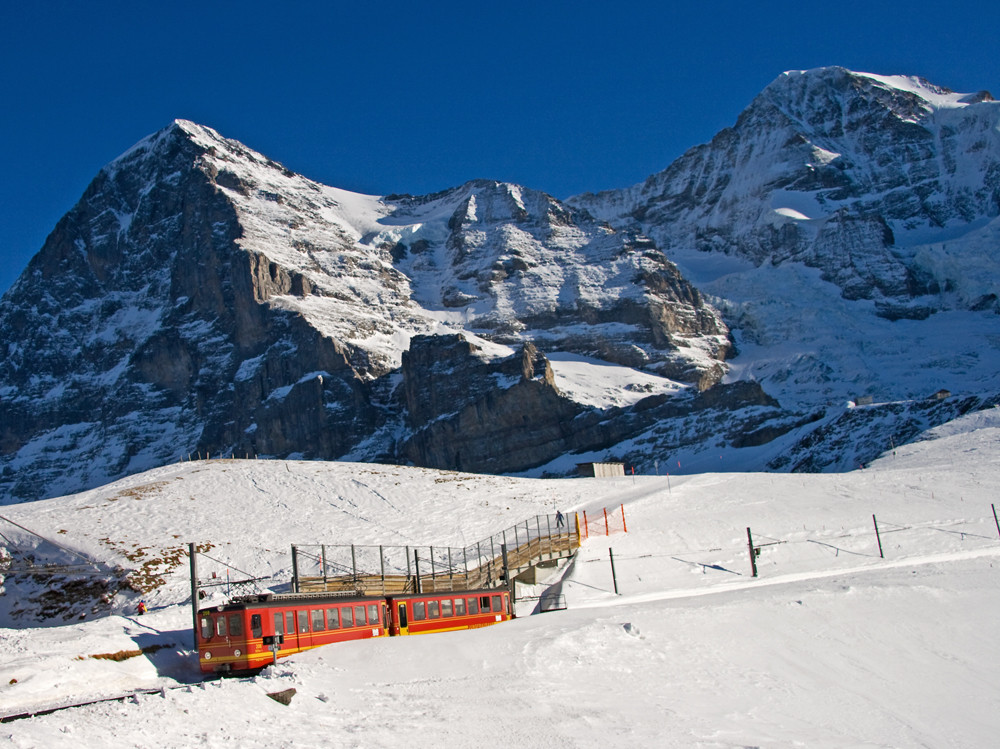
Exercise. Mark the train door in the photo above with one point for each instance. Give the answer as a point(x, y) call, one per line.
point(403, 624)
point(291, 631)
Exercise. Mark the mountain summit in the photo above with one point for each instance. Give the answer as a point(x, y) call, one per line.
point(202, 299)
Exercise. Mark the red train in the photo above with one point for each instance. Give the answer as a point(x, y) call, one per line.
point(250, 632)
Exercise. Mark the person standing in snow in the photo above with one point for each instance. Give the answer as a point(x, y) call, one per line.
point(559, 519)
point(141, 608)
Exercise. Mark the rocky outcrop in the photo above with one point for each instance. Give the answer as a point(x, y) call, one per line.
point(530, 423)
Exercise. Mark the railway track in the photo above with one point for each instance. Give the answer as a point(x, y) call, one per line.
point(117, 698)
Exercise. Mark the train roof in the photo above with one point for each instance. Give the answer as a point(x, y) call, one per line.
point(266, 600)
point(448, 593)
point(270, 600)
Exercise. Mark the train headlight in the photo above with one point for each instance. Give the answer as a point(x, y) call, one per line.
point(208, 655)
point(237, 652)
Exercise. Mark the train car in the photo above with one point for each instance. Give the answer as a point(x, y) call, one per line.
point(423, 613)
point(248, 633)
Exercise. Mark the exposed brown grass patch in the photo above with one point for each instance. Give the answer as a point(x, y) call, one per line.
point(153, 564)
point(123, 655)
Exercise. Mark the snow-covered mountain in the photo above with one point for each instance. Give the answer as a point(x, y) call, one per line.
point(840, 208)
point(202, 299)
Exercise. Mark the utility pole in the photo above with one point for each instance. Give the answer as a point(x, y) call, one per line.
point(192, 558)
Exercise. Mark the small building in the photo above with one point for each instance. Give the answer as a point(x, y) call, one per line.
point(864, 400)
point(600, 470)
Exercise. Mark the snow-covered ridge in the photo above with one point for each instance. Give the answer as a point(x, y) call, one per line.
point(936, 97)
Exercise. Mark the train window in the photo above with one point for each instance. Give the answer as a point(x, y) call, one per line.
point(359, 616)
point(255, 630)
point(220, 626)
point(317, 620)
point(290, 622)
point(419, 611)
point(347, 616)
point(303, 621)
point(459, 607)
point(279, 623)
point(373, 613)
point(473, 605)
point(206, 628)
point(433, 610)
point(236, 625)
point(497, 606)
point(484, 603)
point(446, 607)
point(333, 618)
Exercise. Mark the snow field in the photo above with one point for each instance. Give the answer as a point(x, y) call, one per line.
point(830, 646)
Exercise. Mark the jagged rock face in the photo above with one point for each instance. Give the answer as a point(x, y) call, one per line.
point(845, 172)
point(519, 266)
point(530, 423)
point(137, 336)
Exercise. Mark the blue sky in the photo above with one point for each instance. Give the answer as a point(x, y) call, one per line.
point(413, 97)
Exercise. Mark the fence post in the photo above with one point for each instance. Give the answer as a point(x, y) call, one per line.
point(354, 566)
point(416, 569)
point(624, 527)
point(381, 560)
point(878, 537)
point(753, 554)
point(192, 557)
point(465, 556)
point(433, 570)
point(322, 551)
point(614, 577)
point(295, 570)
point(506, 569)
point(479, 562)
point(607, 530)
point(548, 528)
point(995, 517)
point(586, 525)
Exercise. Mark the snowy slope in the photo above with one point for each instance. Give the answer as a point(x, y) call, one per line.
point(830, 646)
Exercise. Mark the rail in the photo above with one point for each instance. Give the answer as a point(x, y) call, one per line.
point(409, 569)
